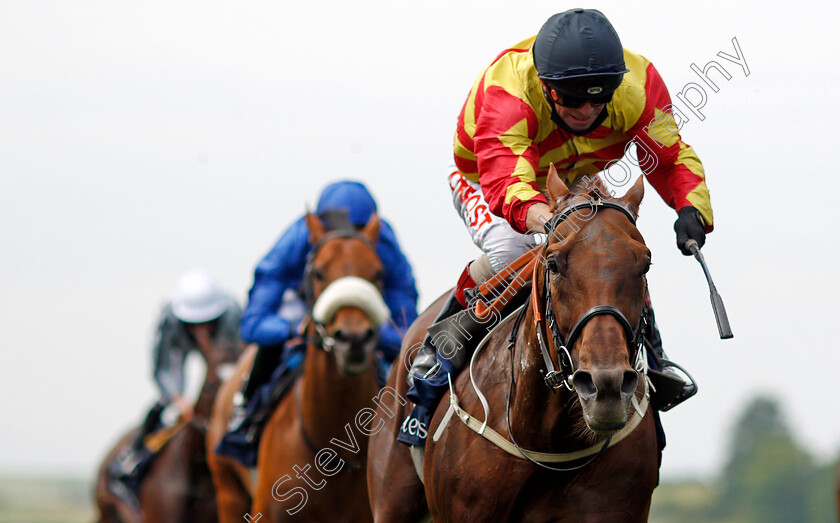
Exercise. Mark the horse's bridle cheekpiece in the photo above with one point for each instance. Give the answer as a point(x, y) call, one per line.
point(324, 341)
point(554, 378)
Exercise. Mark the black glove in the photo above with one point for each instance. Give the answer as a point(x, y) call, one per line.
point(689, 226)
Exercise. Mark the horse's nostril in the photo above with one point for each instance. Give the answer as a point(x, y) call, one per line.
point(583, 383)
point(631, 379)
point(369, 335)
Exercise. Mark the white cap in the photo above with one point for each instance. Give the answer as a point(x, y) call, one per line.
point(198, 298)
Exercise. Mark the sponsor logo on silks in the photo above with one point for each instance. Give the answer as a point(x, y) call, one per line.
point(594, 90)
point(414, 427)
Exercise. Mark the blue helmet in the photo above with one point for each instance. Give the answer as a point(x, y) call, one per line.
point(578, 52)
point(352, 197)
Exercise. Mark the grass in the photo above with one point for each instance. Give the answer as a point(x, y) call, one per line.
point(45, 500)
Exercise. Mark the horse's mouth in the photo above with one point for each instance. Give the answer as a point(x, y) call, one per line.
point(604, 427)
point(605, 416)
point(353, 368)
point(354, 361)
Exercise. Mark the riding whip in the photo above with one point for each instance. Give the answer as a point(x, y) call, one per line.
point(717, 303)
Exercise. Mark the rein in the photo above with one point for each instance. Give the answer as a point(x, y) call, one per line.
point(481, 428)
point(553, 378)
point(322, 339)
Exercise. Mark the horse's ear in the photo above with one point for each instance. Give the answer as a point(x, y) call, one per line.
point(371, 230)
point(316, 228)
point(634, 196)
point(556, 187)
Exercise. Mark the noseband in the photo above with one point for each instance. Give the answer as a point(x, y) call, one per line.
point(554, 379)
point(322, 338)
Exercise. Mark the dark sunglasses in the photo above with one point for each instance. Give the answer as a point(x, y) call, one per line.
point(573, 102)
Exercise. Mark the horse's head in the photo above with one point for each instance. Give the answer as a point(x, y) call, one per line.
point(595, 266)
point(344, 278)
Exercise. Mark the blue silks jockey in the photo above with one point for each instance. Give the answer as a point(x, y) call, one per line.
point(276, 304)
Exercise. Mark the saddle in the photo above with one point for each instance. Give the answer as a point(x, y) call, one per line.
point(488, 304)
point(129, 467)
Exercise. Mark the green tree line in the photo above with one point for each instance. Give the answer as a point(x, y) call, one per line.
point(767, 477)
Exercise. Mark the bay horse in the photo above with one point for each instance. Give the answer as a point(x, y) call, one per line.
point(312, 453)
point(591, 450)
point(177, 486)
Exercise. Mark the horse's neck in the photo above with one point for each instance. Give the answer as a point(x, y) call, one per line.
point(537, 414)
point(330, 401)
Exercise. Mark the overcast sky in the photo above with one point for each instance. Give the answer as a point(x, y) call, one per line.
point(139, 140)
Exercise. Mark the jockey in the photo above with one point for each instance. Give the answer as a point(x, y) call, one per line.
point(276, 308)
point(199, 315)
point(572, 96)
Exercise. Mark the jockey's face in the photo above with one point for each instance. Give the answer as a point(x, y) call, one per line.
point(578, 113)
point(579, 118)
point(198, 330)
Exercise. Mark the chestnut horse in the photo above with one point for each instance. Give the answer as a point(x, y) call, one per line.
point(177, 486)
point(572, 444)
point(311, 456)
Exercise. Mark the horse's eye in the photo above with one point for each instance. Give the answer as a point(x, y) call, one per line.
point(552, 265)
point(646, 266)
point(318, 274)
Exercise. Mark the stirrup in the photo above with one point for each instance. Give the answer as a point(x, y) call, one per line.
point(670, 389)
point(126, 463)
point(237, 418)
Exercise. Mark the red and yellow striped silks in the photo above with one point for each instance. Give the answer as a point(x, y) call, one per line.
point(505, 138)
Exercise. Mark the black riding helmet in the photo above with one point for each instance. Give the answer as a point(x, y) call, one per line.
point(578, 53)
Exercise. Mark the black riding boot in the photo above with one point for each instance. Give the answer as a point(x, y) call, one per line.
point(265, 361)
point(426, 364)
point(427, 381)
point(671, 388)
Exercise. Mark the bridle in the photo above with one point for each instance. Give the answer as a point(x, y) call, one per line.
point(322, 339)
point(554, 378)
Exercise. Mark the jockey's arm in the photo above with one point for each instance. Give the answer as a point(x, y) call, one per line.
point(538, 215)
point(168, 357)
point(281, 269)
point(508, 158)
